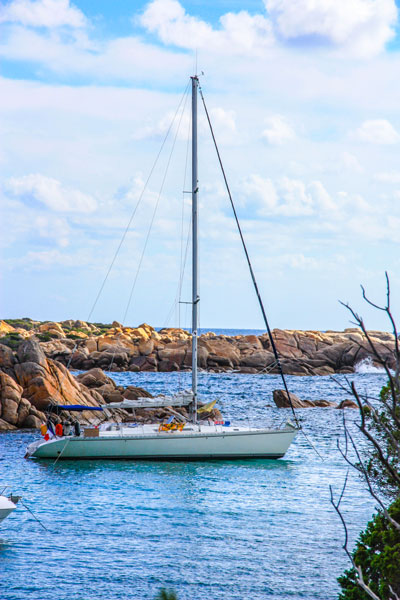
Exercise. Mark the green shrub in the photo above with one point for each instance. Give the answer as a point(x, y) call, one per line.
point(165, 594)
point(12, 340)
point(24, 323)
point(46, 336)
point(377, 552)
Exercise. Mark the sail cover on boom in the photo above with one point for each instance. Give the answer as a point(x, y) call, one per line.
point(72, 407)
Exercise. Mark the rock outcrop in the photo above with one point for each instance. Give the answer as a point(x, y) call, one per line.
point(30, 382)
point(282, 400)
point(84, 346)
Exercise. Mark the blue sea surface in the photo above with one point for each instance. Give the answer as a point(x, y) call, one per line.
point(210, 530)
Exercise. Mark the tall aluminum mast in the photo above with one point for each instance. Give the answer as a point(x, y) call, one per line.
point(195, 296)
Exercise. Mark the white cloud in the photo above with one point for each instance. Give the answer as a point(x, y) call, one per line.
point(321, 198)
point(262, 191)
point(51, 193)
point(296, 200)
point(52, 228)
point(42, 13)
point(277, 131)
point(223, 121)
point(362, 26)
point(48, 259)
point(156, 130)
point(377, 131)
point(287, 197)
point(125, 58)
point(239, 32)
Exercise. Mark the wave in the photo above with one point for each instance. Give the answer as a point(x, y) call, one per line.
point(367, 366)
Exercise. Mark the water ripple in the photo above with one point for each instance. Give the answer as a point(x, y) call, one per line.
point(229, 529)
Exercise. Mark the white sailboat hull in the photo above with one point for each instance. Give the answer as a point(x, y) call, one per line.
point(205, 443)
point(6, 507)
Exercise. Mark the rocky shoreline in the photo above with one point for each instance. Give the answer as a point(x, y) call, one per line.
point(85, 346)
point(36, 360)
point(30, 382)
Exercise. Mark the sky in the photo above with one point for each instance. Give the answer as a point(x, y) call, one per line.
point(304, 98)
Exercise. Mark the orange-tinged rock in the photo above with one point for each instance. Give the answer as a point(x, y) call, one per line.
point(174, 333)
point(202, 357)
point(24, 408)
point(282, 401)
point(82, 325)
point(258, 359)
point(147, 328)
point(10, 397)
point(175, 354)
point(146, 347)
point(7, 358)
point(24, 333)
point(105, 341)
point(9, 388)
point(78, 334)
point(44, 381)
point(5, 328)
point(221, 349)
point(91, 344)
point(140, 333)
point(248, 343)
point(117, 341)
point(51, 328)
point(4, 426)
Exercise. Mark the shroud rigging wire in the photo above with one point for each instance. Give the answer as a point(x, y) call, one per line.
point(153, 215)
point(183, 97)
point(253, 276)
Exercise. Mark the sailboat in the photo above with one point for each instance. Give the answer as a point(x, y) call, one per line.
point(7, 506)
point(193, 440)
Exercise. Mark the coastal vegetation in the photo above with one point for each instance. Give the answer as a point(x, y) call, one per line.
point(375, 571)
point(165, 594)
point(377, 557)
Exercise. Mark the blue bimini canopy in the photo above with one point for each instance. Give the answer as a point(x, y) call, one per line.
point(73, 407)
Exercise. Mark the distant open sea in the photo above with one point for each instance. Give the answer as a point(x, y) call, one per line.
point(231, 332)
point(218, 530)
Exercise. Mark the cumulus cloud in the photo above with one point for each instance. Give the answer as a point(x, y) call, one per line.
point(287, 197)
point(50, 193)
point(238, 32)
point(125, 58)
point(277, 131)
point(363, 26)
point(42, 13)
point(377, 131)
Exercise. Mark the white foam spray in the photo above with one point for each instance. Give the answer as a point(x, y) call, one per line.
point(366, 366)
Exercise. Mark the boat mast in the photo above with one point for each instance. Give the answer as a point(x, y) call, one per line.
point(195, 296)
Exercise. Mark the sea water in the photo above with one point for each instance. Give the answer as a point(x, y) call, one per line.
point(209, 530)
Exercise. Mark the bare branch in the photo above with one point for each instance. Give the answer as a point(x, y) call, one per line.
point(336, 506)
point(383, 308)
point(372, 492)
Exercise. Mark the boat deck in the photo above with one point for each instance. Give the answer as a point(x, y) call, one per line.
point(151, 429)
